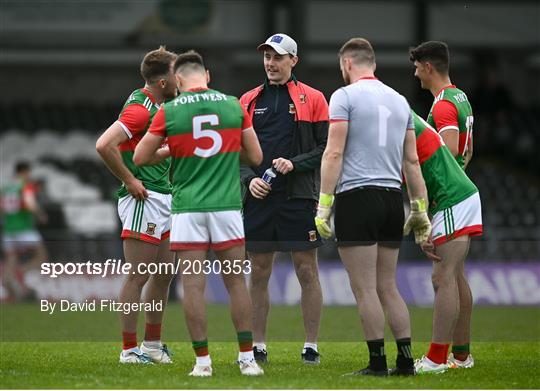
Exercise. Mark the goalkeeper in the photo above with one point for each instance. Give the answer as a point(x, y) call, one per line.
point(371, 140)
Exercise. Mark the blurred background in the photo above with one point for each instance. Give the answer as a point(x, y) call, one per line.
point(67, 68)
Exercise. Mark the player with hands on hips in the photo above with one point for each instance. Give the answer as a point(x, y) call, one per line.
point(144, 205)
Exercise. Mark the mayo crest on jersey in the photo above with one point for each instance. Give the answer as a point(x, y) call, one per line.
point(446, 183)
point(204, 131)
point(135, 118)
point(465, 118)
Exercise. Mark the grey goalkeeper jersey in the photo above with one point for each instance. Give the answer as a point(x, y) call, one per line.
point(378, 118)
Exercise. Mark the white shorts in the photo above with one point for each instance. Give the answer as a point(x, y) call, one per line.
point(204, 230)
point(464, 218)
point(21, 240)
point(148, 220)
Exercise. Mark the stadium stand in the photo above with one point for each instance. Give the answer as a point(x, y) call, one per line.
point(80, 191)
point(92, 72)
point(76, 189)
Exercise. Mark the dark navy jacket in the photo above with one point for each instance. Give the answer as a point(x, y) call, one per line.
point(308, 141)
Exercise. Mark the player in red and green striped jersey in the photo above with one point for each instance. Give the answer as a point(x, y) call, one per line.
point(19, 209)
point(144, 204)
point(456, 216)
point(208, 134)
point(451, 115)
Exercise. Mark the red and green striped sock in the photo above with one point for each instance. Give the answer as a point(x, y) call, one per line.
point(461, 352)
point(152, 332)
point(129, 340)
point(438, 352)
point(245, 341)
point(200, 348)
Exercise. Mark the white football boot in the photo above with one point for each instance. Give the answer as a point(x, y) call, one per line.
point(454, 363)
point(425, 365)
point(159, 355)
point(201, 371)
point(134, 356)
point(250, 368)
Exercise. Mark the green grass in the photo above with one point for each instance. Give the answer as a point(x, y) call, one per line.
point(25, 323)
point(94, 365)
point(507, 356)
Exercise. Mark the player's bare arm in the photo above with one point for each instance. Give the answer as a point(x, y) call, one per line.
point(332, 159)
point(160, 155)
point(107, 147)
point(250, 152)
point(416, 186)
point(445, 117)
point(451, 139)
point(148, 151)
point(418, 219)
point(331, 164)
point(32, 205)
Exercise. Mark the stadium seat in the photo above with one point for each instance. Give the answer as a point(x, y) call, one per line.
point(91, 219)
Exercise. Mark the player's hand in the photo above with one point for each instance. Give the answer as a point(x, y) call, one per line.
point(429, 248)
point(324, 210)
point(164, 151)
point(283, 166)
point(136, 188)
point(418, 221)
point(259, 188)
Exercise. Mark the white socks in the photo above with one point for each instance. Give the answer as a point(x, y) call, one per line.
point(246, 356)
point(259, 345)
point(153, 344)
point(204, 360)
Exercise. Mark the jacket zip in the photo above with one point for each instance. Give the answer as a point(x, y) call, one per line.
point(276, 100)
point(291, 153)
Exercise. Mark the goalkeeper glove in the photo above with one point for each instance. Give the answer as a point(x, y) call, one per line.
point(418, 221)
point(322, 220)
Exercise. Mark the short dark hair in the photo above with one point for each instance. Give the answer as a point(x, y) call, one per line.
point(22, 166)
point(156, 64)
point(188, 62)
point(434, 52)
point(360, 50)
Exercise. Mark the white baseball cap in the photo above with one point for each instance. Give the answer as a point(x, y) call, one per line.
point(281, 43)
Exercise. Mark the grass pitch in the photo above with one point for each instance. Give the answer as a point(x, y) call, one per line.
point(34, 354)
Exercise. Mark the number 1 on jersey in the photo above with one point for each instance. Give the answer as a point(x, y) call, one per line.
point(384, 114)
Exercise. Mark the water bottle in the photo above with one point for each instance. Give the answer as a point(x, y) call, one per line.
point(269, 175)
